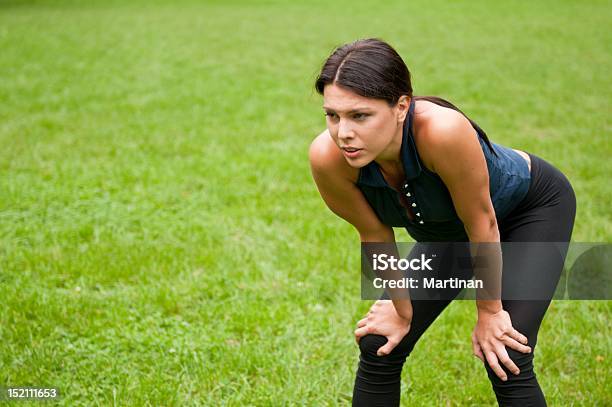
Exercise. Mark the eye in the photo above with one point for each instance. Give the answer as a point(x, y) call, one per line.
point(360, 116)
point(330, 115)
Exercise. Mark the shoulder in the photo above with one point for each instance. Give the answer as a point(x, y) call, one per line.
point(441, 133)
point(326, 159)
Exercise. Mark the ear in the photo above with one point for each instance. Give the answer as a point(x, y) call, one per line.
point(402, 106)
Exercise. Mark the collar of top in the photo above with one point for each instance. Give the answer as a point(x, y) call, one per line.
point(410, 157)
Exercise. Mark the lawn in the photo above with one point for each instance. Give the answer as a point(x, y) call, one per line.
point(162, 241)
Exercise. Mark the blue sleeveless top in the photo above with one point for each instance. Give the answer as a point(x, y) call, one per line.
point(435, 218)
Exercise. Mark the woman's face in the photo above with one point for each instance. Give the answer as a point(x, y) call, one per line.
point(364, 128)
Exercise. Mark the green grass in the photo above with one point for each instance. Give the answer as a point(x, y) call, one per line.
point(161, 239)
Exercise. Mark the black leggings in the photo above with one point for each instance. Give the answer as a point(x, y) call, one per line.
point(546, 214)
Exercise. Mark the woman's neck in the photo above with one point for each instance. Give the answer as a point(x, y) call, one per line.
point(390, 161)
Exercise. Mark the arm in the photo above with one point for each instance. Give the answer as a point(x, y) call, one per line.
point(467, 179)
point(336, 183)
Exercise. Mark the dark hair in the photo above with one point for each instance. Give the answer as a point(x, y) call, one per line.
point(373, 69)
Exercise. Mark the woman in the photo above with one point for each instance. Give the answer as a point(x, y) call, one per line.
point(390, 159)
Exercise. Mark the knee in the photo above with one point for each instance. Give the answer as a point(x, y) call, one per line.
point(524, 361)
point(369, 345)
point(519, 390)
point(378, 370)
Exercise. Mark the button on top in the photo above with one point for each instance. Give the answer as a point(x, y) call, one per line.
point(413, 204)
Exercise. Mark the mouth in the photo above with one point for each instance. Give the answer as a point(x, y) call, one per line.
point(350, 149)
point(351, 152)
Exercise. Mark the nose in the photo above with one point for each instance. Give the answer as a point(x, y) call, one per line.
point(344, 130)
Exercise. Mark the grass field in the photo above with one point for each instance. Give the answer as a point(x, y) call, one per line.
point(161, 239)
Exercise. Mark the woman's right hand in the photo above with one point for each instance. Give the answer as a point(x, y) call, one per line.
point(383, 319)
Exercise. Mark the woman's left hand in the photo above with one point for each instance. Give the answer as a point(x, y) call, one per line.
point(492, 333)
